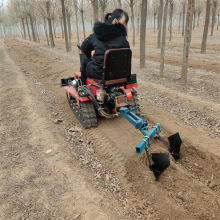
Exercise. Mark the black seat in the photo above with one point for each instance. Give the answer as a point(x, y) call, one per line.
point(117, 66)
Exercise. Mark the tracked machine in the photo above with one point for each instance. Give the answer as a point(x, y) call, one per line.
point(117, 94)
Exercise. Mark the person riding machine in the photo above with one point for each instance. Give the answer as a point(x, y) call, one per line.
point(112, 90)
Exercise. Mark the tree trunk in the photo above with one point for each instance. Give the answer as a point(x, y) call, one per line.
point(163, 40)
point(69, 30)
point(198, 19)
point(184, 15)
point(143, 33)
point(95, 10)
point(187, 40)
point(213, 16)
point(20, 29)
point(171, 19)
point(155, 22)
point(206, 27)
point(158, 17)
point(83, 22)
point(22, 20)
point(138, 26)
point(64, 26)
point(28, 29)
point(46, 33)
point(132, 19)
point(77, 25)
point(160, 23)
point(50, 24)
point(218, 21)
point(119, 4)
point(3, 32)
point(32, 28)
point(61, 23)
point(54, 29)
point(36, 31)
point(194, 16)
point(179, 22)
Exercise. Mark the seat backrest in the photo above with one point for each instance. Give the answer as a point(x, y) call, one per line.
point(117, 65)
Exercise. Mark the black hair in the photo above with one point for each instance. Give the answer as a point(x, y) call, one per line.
point(117, 13)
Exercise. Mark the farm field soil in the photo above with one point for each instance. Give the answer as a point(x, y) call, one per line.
point(187, 189)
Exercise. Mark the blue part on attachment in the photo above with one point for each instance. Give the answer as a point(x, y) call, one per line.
point(141, 124)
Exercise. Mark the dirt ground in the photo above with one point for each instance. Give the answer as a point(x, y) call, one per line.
point(49, 171)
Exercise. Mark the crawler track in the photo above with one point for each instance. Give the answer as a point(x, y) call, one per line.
point(86, 113)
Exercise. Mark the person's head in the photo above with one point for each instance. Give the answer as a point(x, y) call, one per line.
point(117, 16)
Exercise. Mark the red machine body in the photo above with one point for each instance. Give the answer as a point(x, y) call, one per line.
point(90, 82)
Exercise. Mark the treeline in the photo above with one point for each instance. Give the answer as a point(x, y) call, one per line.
point(29, 15)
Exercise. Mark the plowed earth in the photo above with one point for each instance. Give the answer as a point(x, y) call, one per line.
point(95, 173)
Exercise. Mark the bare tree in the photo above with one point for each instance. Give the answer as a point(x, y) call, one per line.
point(199, 11)
point(61, 24)
point(206, 27)
point(29, 35)
point(194, 16)
point(64, 25)
point(131, 4)
point(81, 10)
point(119, 4)
point(102, 5)
point(1, 20)
point(95, 10)
point(163, 39)
point(68, 16)
point(213, 16)
point(45, 30)
point(143, 33)
point(184, 16)
point(155, 12)
point(76, 14)
point(187, 40)
point(218, 18)
point(171, 19)
point(180, 18)
point(160, 16)
point(48, 7)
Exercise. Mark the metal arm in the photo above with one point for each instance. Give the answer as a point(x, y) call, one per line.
point(141, 124)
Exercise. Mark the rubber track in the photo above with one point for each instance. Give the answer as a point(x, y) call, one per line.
point(86, 113)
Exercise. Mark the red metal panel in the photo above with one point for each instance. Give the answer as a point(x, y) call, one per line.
point(73, 92)
point(135, 86)
point(77, 74)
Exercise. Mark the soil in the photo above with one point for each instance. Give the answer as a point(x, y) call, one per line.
point(95, 173)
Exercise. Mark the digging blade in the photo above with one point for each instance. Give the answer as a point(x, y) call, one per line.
point(161, 162)
point(175, 143)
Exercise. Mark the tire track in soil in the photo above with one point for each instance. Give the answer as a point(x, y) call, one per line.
point(35, 185)
point(141, 187)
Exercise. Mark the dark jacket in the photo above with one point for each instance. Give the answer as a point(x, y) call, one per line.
point(105, 36)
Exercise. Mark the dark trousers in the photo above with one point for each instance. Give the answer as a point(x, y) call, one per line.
point(83, 70)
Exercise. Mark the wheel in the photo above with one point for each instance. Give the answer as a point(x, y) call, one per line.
point(135, 103)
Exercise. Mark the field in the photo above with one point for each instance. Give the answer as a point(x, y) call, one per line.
point(51, 168)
